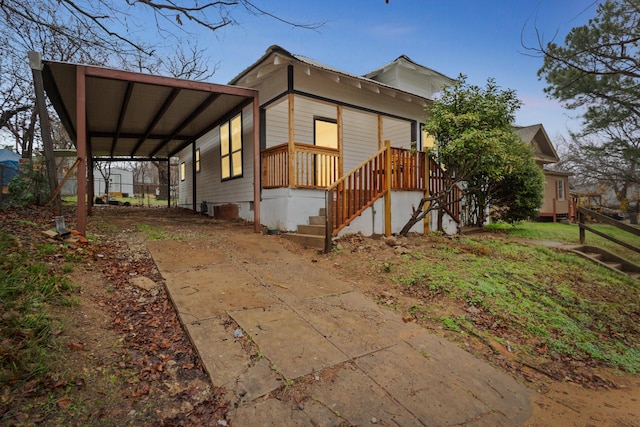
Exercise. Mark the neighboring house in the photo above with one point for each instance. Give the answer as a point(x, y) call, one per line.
point(557, 202)
point(120, 182)
point(323, 148)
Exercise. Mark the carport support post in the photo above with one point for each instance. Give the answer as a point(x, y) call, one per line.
point(81, 143)
point(169, 182)
point(35, 62)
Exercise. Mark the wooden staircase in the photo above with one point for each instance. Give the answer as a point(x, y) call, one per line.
point(311, 235)
point(608, 260)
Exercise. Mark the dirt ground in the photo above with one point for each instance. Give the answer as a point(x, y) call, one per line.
point(125, 359)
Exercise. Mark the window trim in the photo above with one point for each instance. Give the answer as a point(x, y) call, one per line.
point(228, 157)
point(197, 159)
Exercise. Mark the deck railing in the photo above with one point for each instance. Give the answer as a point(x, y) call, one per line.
point(348, 196)
point(312, 166)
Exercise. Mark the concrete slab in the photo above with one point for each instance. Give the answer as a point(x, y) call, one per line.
point(276, 413)
point(199, 254)
point(355, 324)
point(415, 381)
point(289, 288)
point(287, 340)
point(495, 388)
point(257, 381)
point(223, 357)
point(358, 399)
point(200, 294)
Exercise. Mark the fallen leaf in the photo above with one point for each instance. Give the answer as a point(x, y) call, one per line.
point(76, 346)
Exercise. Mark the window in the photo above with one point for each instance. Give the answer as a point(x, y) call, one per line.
point(231, 148)
point(183, 171)
point(560, 186)
point(197, 160)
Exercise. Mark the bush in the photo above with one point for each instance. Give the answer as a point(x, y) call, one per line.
point(30, 186)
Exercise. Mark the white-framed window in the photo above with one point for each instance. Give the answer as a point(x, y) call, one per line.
point(183, 171)
point(231, 148)
point(560, 189)
point(197, 160)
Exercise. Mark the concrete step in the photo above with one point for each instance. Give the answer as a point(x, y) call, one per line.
point(317, 220)
point(594, 255)
point(308, 240)
point(314, 230)
point(323, 212)
point(615, 265)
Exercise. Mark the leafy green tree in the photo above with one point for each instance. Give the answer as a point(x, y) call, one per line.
point(597, 72)
point(476, 143)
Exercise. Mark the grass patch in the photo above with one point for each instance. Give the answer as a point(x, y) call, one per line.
point(569, 234)
point(538, 299)
point(152, 232)
point(27, 288)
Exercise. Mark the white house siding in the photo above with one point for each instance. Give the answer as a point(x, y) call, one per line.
point(360, 137)
point(210, 187)
point(396, 131)
point(306, 110)
point(277, 119)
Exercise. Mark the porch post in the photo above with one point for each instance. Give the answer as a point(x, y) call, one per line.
point(292, 135)
point(427, 191)
point(194, 188)
point(379, 132)
point(387, 183)
point(340, 154)
point(257, 184)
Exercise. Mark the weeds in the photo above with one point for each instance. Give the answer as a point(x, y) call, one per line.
point(568, 306)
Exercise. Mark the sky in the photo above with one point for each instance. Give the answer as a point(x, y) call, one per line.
point(479, 38)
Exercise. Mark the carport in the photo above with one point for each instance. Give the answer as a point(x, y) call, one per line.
point(116, 115)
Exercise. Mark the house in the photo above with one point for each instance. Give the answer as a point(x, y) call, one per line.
point(335, 148)
point(556, 202)
point(120, 182)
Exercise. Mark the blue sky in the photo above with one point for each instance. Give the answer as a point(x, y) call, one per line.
point(479, 38)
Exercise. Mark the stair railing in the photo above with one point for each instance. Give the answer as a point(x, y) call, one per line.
point(352, 194)
point(583, 213)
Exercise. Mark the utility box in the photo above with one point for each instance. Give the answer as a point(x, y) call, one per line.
point(228, 211)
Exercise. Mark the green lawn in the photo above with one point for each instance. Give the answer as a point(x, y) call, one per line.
point(569, 234)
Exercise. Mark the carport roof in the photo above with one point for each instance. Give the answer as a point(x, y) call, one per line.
point(133, 115)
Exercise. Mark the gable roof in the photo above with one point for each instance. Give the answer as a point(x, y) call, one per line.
point(275, 57)
point(405, 73)
point(539, 140)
